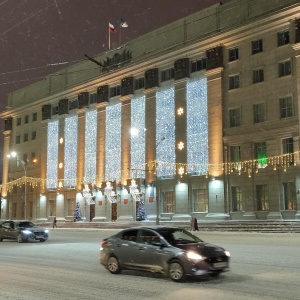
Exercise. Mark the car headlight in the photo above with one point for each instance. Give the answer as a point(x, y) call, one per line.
point(26, 231)
point(227, 253)
point(193, 256)
point(46, 231)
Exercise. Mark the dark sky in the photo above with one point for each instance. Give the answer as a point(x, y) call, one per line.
point(39, 37)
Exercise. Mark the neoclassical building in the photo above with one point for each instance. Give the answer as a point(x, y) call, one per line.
point(198, 118)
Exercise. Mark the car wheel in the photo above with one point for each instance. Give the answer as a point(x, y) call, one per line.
point(215, 274)
point(20, 238)
point(43, 240)
point(176, 271)
point(113, 265)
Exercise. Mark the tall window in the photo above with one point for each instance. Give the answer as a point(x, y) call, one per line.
point(198, 65)
point(34, 116)
point(289, 193)
point(262, 197)
point(261, 154)
point(26, 119)
point(259, 113)
point(115, 91)
point(284, 68)
point(200, 200)
point(234, 82)
point(286, 107)
point(234, 117)
point(288, 147)
point(25, 137)
point(18, 139)
point(169, 202)
point(235, 153)
point(33, 135)
point(237, 199)
point(257, 75)
point(18, 121)
point(139, 83)
point(257, 46)
point(283, 38)
point(52, 208)
point(233, 54)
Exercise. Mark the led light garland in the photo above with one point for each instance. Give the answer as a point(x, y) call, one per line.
point(52, 154)
point(71, 141)
point(113, 142)
point(137, 143)
point(90, 146)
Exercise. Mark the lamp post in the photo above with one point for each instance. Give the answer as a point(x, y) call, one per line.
point(25, 165)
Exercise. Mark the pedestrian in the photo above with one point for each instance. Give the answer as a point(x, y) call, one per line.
point(54, 223)
point(196, 225)
point(193, 224)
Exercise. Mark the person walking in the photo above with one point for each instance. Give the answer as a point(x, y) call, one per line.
point(54, 223)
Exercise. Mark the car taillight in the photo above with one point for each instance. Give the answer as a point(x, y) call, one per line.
point(102, 243)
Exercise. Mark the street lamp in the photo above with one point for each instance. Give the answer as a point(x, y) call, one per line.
point(25, 166)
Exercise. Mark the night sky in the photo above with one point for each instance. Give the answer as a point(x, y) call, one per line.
point(39, 37)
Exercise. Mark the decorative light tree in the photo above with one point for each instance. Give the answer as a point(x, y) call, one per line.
point(77, 213)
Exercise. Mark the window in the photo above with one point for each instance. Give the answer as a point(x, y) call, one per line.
point(33, 135)
point(234, 117)
point(198, 65)
point(262, 197)
point(26, 119)
point(25, 158)
point(25, 137)
point(289, 194)
point(18, 139)
point(139, 83)
point(261, 154)
point(148, 237)
point(284, 68)
point(283, 38)
point(259, 113)
point(257, 46)
point(237, 199)
point(32, 156)
point(286, 107)
point(200, 200)
point(233, 54)
point(257, 76)
point(34, 116)
point(234, 82)
point(167, 74)
point(129, 235)
point(54, 110)
point(235, 153)
point(52, 208)
point(73, 104)
point(288, 147)
point(115, 91)
point(18, 121)
point(169, 202)
point(93, 98)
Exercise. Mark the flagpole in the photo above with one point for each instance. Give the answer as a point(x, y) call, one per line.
point(108, 37)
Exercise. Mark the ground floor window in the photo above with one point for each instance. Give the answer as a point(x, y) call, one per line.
point(200, 200)
point(289, 194)
point(14, 211)
point(262, 197)
point(52, 208)
point(169, 202)
point(237, 198)
point(30, 209)
point(71, 206)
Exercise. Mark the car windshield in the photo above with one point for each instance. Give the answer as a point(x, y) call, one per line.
point(178, 236)
point(26, 224)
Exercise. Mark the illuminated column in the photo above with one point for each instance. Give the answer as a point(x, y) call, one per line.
point(80, 148)
point(61, 167)
point(150, 125)
point(215, 140)
point(6, 151)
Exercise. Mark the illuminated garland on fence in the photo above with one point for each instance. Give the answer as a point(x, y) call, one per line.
point(284, 161)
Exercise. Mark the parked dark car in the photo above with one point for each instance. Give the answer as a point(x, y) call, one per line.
point(169, 250)
point(22, 231)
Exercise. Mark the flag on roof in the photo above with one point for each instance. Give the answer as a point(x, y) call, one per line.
point(111, 28)
point(123, 23)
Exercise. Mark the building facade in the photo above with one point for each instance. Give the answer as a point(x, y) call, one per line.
point(198, 118)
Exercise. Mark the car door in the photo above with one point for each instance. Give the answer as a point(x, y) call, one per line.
point(151, 255)
point(7, 230)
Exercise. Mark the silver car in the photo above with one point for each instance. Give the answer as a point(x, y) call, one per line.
point(169, 250)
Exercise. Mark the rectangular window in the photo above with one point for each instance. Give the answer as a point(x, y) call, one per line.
point(286, 107)
point(18, 121)
point(234, 82)
point(198, 65)
point(55, 110)
point(139, 83)
point(33, 135)
point(259, 113)
point(261, 154)
point(200, 200)
point(73, 104)
point(237, 199)
point(288, 147)
point(233, 54)
point(234, 117)
point(257, 76)
point(115, 91)
point(25, 137)
point(289, 194)
point(26, 119)
point(284, 68)
point(34, 116)
point(52, 208)
point(169, 202)
point(33, 156)
point(93, 98)
point(257, 46)
point(167, 74)
point(18, 139)
point(283, 38)
point(235, 153)
point(262, 197)
point(25, 157)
